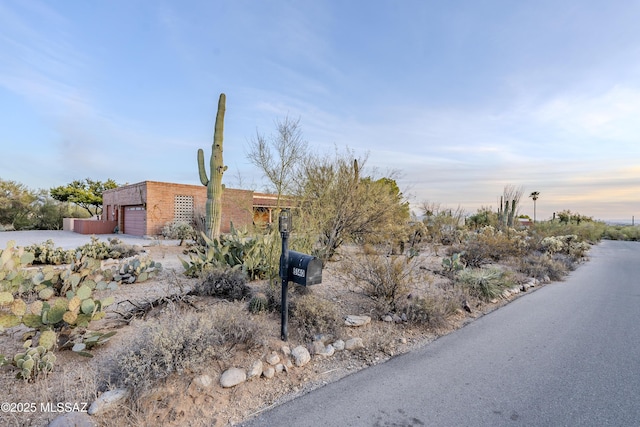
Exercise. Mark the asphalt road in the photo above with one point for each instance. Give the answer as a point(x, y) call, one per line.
point(567, 354)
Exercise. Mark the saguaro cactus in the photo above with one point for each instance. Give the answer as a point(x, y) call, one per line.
point(214, 183)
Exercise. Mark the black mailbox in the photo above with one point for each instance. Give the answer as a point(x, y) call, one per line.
point(304, 269)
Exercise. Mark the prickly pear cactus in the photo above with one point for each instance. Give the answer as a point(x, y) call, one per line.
point(217, 168)
point(33, 361)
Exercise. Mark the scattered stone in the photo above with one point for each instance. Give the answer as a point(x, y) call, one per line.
point(403, 317)
point(269, 372)
point(387, 318)
point(506, 294)
point(354, 344)
point(107, 400)
point(328, 351)
point(279, 368)
point(546, 279)
point(321, 337)
point(204, 381)
point(355, 321)
point(232, 377)
point(316, 347)
point(402, 340)
point(515, 290)
point(338, 345)
point(397, 319)
point(286, 350)
point(200, 385)
point(76, 419)
point(493, 301)
point(273, 358)
point(288, 364)
point(300, 356)
point(256, 369)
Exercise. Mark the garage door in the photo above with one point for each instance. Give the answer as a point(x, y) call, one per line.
point(135, 220)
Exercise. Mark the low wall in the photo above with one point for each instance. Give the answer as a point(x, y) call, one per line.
point(92, 226)
point(67, 224)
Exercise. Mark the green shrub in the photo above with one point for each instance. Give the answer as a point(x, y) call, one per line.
point(179, 230)
point(485, 283)
point(491, 245)
point(590, 231)
point(622, 232)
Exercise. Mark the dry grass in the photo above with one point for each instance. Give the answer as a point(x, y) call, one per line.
point(385, 279)
point(313, 315)
point(433, 310)
point(225, 283)
point(186, 341)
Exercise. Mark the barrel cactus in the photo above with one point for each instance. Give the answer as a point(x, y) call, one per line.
point(258, 303)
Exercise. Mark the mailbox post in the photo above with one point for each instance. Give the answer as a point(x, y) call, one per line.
point(284, 223)
point(303, 269)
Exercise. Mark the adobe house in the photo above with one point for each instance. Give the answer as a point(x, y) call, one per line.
point(143, 209)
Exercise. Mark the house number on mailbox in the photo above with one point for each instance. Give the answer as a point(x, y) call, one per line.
point(298, 272)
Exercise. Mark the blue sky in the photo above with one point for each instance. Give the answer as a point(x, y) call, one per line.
point(461, 97)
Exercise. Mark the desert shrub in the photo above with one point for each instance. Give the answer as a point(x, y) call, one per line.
point(591, 231)
point(384, 340)
point(622, 232)
point(369, 249)
point(313, 315)
point(185, 341)
point(385, 279)
point(227, 283)
point(179, 230)
point(485, 283)
point(567, 261)
point(491, 245)
point(569, 245)
point(539, 265)
point(117, 246)
point(431, 311)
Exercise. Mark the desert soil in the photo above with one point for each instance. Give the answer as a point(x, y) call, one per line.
point(76, 378)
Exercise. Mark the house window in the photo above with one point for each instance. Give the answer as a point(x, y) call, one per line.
point(183, 208)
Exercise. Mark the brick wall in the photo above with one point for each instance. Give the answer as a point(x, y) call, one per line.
point(92, 226)
point(158, 199)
